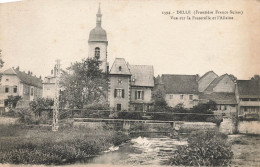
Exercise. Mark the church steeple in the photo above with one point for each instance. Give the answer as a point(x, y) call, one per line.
point(99, 17)
point(98, 42)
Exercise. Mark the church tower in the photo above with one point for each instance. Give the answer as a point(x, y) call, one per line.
point(98, 42)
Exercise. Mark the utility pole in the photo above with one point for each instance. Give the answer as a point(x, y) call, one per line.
point(55, 124)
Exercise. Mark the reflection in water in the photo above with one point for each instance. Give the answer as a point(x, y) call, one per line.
point(140, 151)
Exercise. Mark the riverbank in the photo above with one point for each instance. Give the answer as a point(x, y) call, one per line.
point(24, 145)
point(246, 149)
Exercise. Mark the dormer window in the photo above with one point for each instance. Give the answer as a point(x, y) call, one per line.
point(97, 52)
point(120, 68)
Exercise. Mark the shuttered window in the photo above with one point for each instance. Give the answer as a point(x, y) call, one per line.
point(6, 89)
point(119, 93)
point(139, 94)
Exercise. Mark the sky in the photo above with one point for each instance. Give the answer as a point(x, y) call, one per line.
point(34, 33)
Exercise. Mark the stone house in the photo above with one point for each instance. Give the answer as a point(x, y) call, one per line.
point(142, 83)
point(248, 98)
point(179, 89)
point(17, 83)
point(222, 91)
point(130, 86)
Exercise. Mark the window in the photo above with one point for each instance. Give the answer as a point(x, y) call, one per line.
point(139, 94)
point(31, 91)
point(97, 52)
point(119, 93)
point(5, 103)
point(171, 96)
point(118, 107)
point(120, 68)
point(1, 101)
point(181, 96)
point(225, 107)
point(219, 107)
point(6, 89)
point(191, 97)
point(7, 79)
point(15, 89)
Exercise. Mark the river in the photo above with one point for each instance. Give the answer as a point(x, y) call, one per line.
point(141, 150)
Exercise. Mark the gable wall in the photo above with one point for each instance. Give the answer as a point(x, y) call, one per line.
point(206, 80)
point(225, 85)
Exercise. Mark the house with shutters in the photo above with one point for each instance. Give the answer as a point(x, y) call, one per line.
point(221, 89)
point(17, 83)
point(248, 98)
point(130, 86)
point(179, 89)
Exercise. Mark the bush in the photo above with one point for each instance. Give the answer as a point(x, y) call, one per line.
point(204, 149)
point(26, 116)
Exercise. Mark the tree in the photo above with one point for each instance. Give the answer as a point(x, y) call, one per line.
point(160, 103)
point(40, 104)
point(83, 83)
point(12, 101)
point(206, 108)
point(1, 63)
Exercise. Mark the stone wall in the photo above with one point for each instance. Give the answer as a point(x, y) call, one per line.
point(227, 126)
point(249, 127)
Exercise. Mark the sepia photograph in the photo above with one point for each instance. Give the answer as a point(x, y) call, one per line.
point(129, 83)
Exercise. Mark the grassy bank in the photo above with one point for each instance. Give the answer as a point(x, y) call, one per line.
point(23, 145)
point(246, 150)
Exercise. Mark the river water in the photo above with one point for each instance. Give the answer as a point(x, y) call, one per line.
point(140, 150)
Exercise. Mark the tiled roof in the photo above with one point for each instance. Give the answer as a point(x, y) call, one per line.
point(142, 75)
point(215, 82)
point(115, 69)
point(25, 78)
point(207, 74)
point(248, 88)
point(219, 98)
point(186, 84)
